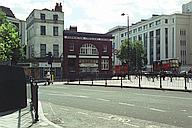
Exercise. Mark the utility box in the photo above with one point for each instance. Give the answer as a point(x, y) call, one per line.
point(12, 88)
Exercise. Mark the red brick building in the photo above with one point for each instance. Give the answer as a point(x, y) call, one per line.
point(87, 55)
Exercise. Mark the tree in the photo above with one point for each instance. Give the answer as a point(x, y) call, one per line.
point(10, 48)
point(137, 57)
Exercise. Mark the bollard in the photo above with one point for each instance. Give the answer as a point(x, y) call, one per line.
point(121, 82)
point(105, 82)
point(36, 102)
point(92, 82)
point(160, 82)
point(171, 78)
point(185, 82)
point(139, 80)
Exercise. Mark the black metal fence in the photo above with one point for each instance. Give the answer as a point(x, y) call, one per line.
point(182, 82)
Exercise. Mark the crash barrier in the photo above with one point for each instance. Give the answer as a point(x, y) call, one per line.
point(12, 89)
point(34, 98)
point(181, 82)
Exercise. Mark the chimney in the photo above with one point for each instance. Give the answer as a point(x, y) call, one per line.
point(58, 7)
point(73, 28)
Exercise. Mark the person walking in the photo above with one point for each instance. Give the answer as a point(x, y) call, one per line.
point(190, 73)
point(48, 78)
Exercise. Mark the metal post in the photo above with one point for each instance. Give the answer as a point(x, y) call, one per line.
point(139, 80)
point(105, 82)
point(121, 82)
point(51, 73)
point(128, 48)
point(160, 82)
point(185, 77)
point(36, 102)
point(92, 82)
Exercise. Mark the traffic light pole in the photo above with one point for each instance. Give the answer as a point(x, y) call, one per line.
point(50, 61)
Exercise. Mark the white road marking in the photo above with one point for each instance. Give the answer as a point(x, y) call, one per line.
point(102, 99)
point(103, 118)
point(122, 103)
point(65, 109)
point(132, 125)
point(97, 90)
point(172, 97)
point(52, 109)
point(158, 110)
point(190, 116)
point(83, 113)
point(69, 95)
point(183, 110)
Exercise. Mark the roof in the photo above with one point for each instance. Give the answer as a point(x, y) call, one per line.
point(84, 34)
point(7, 11)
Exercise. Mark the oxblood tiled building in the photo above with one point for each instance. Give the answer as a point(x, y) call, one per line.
point(87, 55)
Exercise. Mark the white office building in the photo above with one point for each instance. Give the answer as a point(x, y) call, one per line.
point(163, 36)
point(45, 34)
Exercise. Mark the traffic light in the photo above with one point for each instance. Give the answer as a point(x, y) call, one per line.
point(50, 58)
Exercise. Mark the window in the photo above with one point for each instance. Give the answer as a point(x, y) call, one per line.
point(135, 30)
point(151, 24)
point(140, 29)
point(42, 50)
point(71, 46)
point(55, 31)
point(43, 30)
point(104, 64)
point(166, 21)
point(121, 35)
point(183, 32)
point(145, 27)
point(173, 20)
point(158, 22)
point(55, 17)
point(56, 50)
point(139, 37)
point(104, 48)
point(134, 38)
point(42, 16)
point(126, 34)
point(166, 43)
point(88, 49)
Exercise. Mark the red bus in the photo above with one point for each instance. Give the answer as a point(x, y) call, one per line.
point(120, 70)
point(166, 65)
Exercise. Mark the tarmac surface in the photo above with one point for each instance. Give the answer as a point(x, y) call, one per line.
point(25, 118)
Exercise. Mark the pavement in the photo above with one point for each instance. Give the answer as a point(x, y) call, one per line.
point(25, 118)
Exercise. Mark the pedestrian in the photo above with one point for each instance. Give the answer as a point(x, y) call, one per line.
point(190, 73)
point(48, 77)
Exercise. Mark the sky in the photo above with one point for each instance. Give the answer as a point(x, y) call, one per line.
point(97, 16)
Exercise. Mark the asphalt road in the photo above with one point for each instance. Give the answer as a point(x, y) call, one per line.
point(85, 106)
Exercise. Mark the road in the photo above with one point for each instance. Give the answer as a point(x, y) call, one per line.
point(90, 106)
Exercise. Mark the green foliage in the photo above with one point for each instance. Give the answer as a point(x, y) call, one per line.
point(10, 48)
point(135, 57)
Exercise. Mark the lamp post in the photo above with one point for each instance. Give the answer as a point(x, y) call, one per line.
point(128, 58)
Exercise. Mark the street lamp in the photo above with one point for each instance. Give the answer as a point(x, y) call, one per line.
point(124, 14)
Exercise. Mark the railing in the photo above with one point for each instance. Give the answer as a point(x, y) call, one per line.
point(182, 82)
point(34, 98)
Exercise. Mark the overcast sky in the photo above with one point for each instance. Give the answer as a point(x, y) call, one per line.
point(97, 16)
